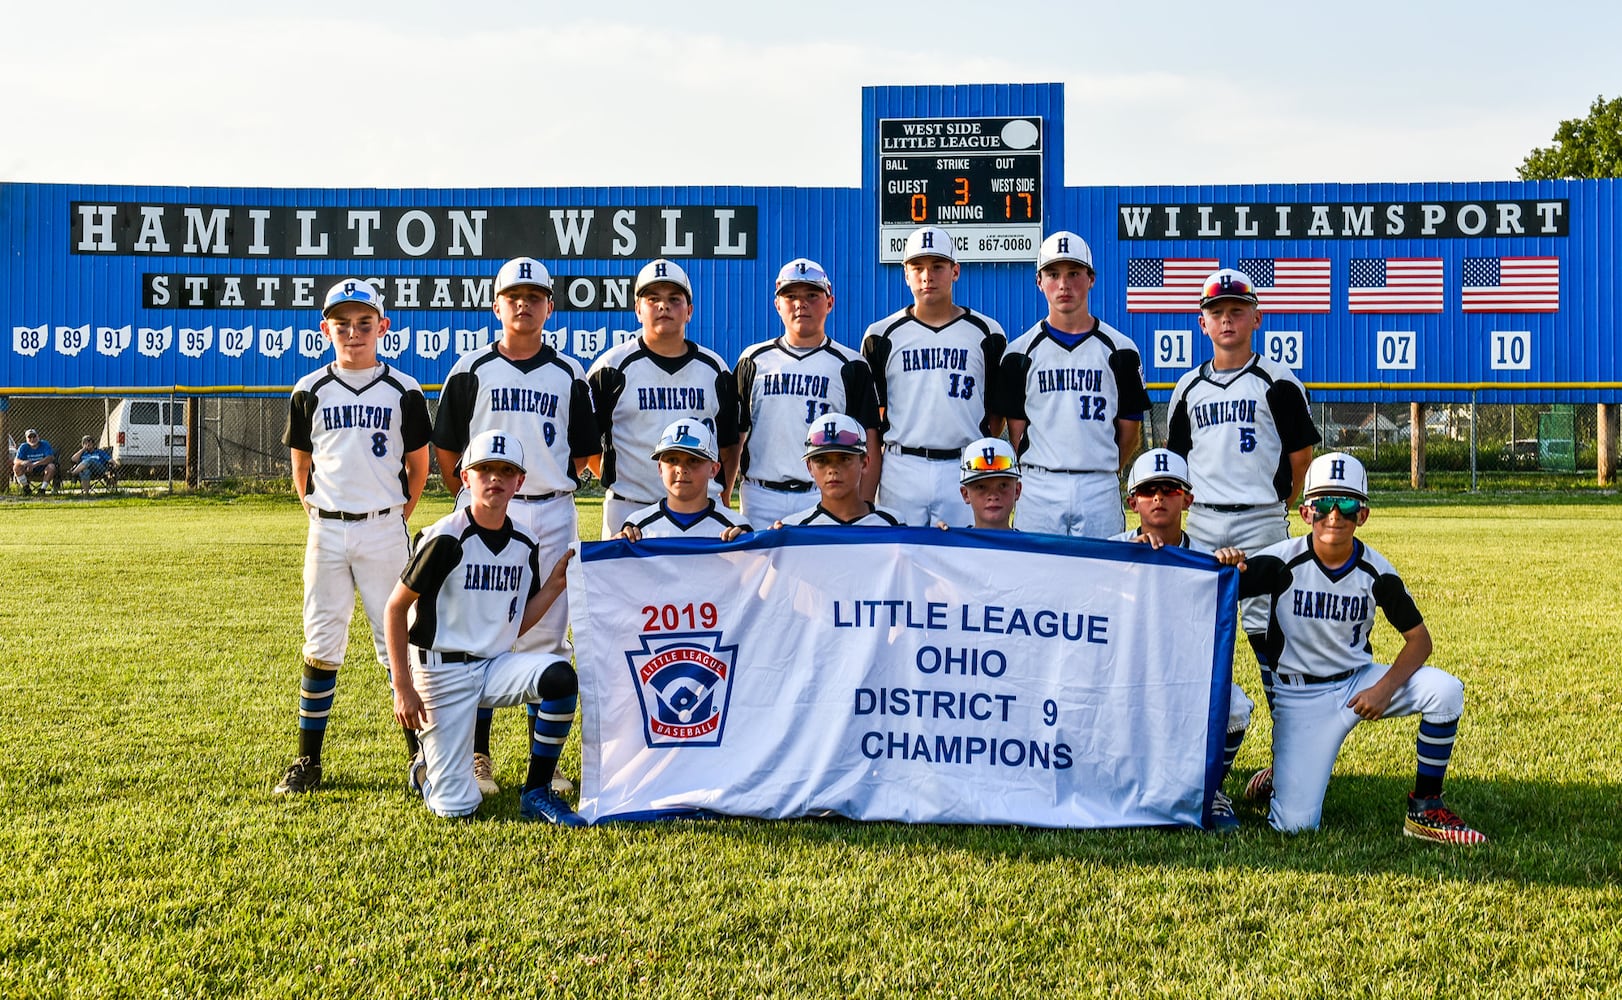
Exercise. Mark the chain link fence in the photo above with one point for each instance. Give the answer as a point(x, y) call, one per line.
point(171, 442)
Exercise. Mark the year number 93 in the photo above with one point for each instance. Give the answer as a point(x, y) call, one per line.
point(667, 617)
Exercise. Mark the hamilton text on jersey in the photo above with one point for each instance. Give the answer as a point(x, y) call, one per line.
point(792, 384)
point(504, 399)
point(356, 415)
point(1069, 380)
point(487, 577)
point(1335, 607)
point(1226, 411)
point(920, 359)
point(681, 397)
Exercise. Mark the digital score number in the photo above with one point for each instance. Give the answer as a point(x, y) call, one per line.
point(978, 178)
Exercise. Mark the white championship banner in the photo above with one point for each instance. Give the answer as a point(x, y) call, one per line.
point(906, 674)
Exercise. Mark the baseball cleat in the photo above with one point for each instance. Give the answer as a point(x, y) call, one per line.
point(1259, 789)
point(302, 776)
point(1222, 818)
point(1429, 819)
point(543, 804)
point(484, 772)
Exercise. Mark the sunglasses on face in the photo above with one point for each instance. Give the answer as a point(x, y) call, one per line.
point(1349, 507)
point(844, 439)
point(1158, 490)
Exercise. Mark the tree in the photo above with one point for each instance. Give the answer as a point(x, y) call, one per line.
point(1583, 147)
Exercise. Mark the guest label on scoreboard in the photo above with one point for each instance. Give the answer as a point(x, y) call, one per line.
point(978, 178)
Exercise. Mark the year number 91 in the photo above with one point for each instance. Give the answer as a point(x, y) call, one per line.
point(666, 617)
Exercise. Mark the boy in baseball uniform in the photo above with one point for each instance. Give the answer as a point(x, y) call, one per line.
point(786, 383)
point(935, 367)
point(989, 480)
point(688, 463)
point(835, 455)
point(1325, 587)
point(538, 396)
point(357, 431)
point(1072, 390)
point(472, 587)
point(1158, 490)
point(1243, 424)
point(639, 386)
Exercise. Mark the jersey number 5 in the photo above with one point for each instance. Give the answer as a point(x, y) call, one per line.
point(1247, 439)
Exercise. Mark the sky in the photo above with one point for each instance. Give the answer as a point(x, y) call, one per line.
point(531, 94)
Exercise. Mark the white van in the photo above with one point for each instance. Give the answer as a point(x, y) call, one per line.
point(147, 432)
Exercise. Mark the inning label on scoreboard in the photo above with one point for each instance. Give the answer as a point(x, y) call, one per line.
point(979, 178)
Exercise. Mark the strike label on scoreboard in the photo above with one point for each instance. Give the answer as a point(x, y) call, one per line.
point(979, 178)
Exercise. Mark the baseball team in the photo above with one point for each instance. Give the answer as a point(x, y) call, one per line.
point(937, 420)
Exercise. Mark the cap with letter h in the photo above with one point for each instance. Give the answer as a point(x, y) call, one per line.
point(690, 435)
point(662, 270)
point(803, 271)
point(352, 290)
point(835, 433)
point(1062, 246)
point(1228, 284)
point(987, 458)
point(1336, 474)
point(494, 446)
point(930, 241)
point(523, 271)
point(1158, 465)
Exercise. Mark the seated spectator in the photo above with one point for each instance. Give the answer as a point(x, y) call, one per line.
point(35, 459)
point(92, 463)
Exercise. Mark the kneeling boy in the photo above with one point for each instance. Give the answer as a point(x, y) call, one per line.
point(989, 479)
point(688, 463)
point(471, 588)
point(1325, 587)
point(836, 457)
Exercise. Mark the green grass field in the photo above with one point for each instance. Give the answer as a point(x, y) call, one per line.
point(148, 704)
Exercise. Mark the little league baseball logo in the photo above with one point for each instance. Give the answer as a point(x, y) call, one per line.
point(684, 682)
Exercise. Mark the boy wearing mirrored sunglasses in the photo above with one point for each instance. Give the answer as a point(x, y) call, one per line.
point(1325, 587)
point(989, 477)
point(836, 457)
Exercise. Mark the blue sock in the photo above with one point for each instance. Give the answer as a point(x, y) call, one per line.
point(315, 691)
point(549, 723)
point(1435, 747)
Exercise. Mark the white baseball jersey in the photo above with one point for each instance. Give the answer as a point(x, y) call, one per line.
point(357, 437)
point(1237, 430)
point(876, 516)
point(543, 401)
point(659, 521)
point(936, 385)
point(1321, 619)
point(1072, 396)
point(472, 584)
point(637, 393)
point(783, 389)
point(1133, 534)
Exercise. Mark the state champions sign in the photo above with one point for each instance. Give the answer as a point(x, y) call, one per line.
point(906, 674)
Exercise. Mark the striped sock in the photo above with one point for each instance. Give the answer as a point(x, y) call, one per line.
point(315, 691)
point(1230, 750)
point(1435, 747)
point(549, 724)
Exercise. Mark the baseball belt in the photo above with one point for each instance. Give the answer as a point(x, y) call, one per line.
point(536, 497)
point(784, 485)
point(933, 454)
point(1233, 508)
point(344, 515)
point(625, 499)
point(451, 657)
point(1298, 680)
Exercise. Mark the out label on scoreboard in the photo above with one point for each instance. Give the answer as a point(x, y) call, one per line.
point(978, 178)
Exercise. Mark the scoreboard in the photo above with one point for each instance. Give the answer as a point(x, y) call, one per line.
point(979, 178)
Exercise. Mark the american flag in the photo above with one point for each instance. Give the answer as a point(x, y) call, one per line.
point(1166, 284)
point(1289, 284)
point(1511, 284)
point(1395, 285)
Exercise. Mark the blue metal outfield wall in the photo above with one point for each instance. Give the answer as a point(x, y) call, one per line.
point(1390, 292)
